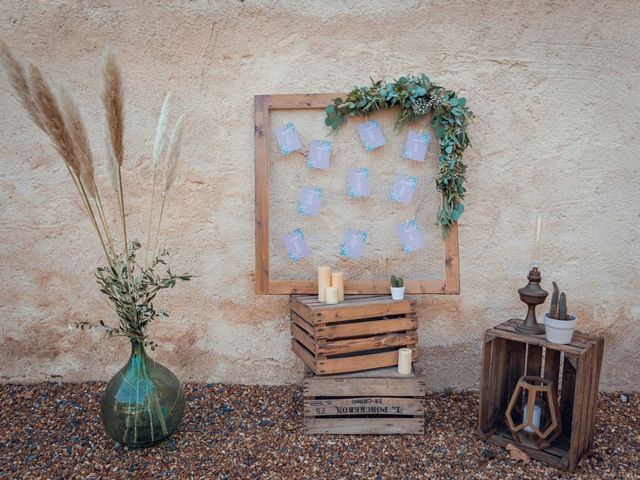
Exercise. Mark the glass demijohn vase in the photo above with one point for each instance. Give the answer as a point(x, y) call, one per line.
point(144, 402)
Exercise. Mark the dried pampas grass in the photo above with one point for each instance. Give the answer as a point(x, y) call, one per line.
point(113, 101)
point(59, 117)
point(80, 141)
point(161, 130)
point(18, 80)
point(52, 119)
point(173, 154)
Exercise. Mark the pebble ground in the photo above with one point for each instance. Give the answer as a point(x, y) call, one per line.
point(244, 432)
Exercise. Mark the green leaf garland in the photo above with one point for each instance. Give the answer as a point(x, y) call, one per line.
point(416, 98)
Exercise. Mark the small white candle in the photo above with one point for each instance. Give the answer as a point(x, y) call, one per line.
point(537, 412)
point(324, 281)
point(337, 280)
point(405, 356)
point(331, 295)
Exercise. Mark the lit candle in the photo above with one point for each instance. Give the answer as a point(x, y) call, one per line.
point(337, 280)
point(537, 412)
point(404, 361)
point(331, 295)
point(324, 281)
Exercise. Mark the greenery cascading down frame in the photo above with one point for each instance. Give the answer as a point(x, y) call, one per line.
point(416, 97)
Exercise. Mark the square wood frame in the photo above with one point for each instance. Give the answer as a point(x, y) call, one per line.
point(450, 285)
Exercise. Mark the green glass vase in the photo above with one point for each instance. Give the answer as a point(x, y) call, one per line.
point(144, 402)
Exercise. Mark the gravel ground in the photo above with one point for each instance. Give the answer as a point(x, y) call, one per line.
point(54, 431)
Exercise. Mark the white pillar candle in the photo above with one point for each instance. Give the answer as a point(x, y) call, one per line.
point(537, 412)
point(324, 281)
point(331, 295)
point(405, 356)
point(337, 280)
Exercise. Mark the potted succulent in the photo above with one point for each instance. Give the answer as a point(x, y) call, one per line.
point(397, 288)
point(558, 325)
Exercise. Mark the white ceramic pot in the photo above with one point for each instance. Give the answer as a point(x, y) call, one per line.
point(397, 293)
point(559, 331)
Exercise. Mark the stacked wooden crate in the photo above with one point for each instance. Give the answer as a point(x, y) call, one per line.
point(575, 371)
point(361, 333)
point(351, 351)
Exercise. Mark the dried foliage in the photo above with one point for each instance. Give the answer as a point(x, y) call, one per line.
point(415, 97)
point(130, 287)
point(113, 101)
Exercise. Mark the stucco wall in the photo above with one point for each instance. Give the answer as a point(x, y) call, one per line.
point(554, 86)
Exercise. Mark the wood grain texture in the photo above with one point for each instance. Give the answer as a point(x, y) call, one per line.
point(262, 193)
point(334, 331)
point(364, 426)
point(363, 386)
point(359, 362)
point(367, 343)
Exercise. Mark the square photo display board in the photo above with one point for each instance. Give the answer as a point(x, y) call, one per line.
point(275, 277)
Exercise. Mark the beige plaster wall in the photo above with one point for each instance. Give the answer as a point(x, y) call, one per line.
point(555, 89)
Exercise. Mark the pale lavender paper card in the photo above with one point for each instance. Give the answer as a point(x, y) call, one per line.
point(410, 236)
point(353, 243)
point(358, 179)
point(403, 188)
point(288, 139)
point(297, 247)
point(371, 135)
point(416, 146)
point(309, 200)
point(319, 154)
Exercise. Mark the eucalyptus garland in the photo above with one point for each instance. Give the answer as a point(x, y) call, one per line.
point(417, 97)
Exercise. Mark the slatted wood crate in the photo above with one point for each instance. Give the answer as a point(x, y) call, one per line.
point(377, 401)
point(361, 333)
point(575, 371)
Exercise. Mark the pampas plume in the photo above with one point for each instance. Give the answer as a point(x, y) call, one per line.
point(173, 154)
point(18, 79)
point(53, 119)
point(113, 101)
point(161, 130)
point(80, 141)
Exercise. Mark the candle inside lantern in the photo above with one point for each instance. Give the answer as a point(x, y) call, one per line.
point(537, 412)
point(337, 280)
point(331, 295)
point(404, 361)
point(324, 281)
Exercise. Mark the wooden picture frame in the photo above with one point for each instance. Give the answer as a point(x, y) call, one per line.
point(265, 285)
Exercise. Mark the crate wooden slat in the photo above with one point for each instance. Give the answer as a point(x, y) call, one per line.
point(363, 332)
point(379, 401)
point(575, 370)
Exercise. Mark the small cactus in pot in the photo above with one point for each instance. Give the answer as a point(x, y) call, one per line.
point(397, 288)
point(559, 325)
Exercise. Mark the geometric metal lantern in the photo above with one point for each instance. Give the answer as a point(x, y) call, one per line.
point(535, 403)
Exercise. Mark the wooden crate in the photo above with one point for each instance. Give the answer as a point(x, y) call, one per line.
point(361, 333)
point(373, 402)
point(575, 370)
